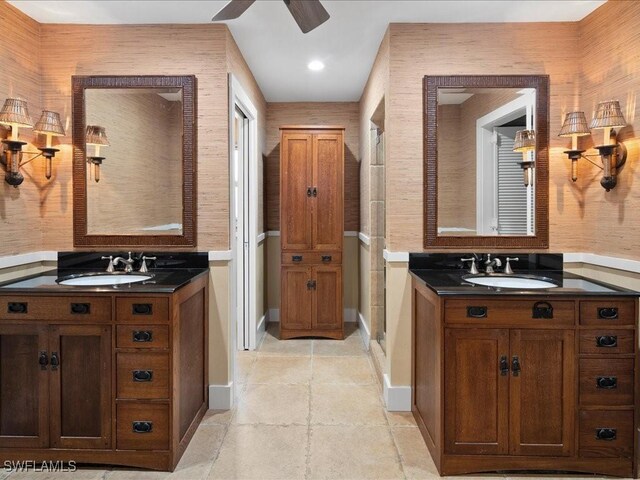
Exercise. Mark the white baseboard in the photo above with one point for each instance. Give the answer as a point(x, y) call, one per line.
point(221, 397)
point(364, 331)
point(273, 315)
point(261, 329)
point(350, 315)
point(397, 399)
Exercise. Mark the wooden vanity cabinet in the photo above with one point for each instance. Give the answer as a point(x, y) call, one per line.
point(111, 378)
point(497, 386)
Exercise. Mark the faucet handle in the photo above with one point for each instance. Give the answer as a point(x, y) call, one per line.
point(473, 269)
point(110, 268)
point(143, 267)
point(507, 269)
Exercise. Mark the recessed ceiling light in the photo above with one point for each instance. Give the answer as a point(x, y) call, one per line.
point(315, 65)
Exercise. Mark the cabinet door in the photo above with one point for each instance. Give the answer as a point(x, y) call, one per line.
point(296, 296)
point(24, 395)
point(542, 394)
point(327, 298)
point(476, 391)
point(80, 386)
point(295, 189)
point(328, 223)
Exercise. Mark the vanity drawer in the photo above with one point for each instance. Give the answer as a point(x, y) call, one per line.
point(142, 426)
point(534, 312)
point(142, 375)
point(606, 341)
point(607, 312)
point(606, 381)
point(142, 336)
point(27, 307)
point(606, 433)
point(142, 309)
point(311, 258)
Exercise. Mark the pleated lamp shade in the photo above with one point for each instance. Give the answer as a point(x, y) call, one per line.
point(608, 115)
point(15, 112)
point(525, 141)
point(575, 123)
point(49, 124)
point(96, 135)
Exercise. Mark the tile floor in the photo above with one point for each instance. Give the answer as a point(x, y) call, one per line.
point(307, 409)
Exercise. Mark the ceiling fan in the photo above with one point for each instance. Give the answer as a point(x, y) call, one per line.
point(308, 14)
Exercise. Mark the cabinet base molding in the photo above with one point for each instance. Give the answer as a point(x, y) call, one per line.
point(337, 334)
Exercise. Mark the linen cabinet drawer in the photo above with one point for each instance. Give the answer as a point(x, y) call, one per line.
point(142, 375)
point(142, 426)
point(606, 433)
point(142, 336)
point(606, 381)
point(92, 309)
point(142, 310)
point(311, 258)
point(607, 312)
point(534, 312)
point(606, 341)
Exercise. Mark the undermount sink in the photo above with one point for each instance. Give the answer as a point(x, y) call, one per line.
point(102, 279)
point(524, 282)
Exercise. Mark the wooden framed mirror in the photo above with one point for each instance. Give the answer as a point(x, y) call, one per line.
point(134, 161)
point(474, 192)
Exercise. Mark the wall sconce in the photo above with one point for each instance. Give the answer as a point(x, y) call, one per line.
point(612, 154)
point(525, 142)
point(97, 137)
point(15, 114)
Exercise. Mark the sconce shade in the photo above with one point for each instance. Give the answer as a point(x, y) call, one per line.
point(575, 123)
point(49, 124)
point(608, 115)
point(96, 135)
point(525, 141)
point(15, 112)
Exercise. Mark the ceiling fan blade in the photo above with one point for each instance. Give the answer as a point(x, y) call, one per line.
point(232, 10)
point(308, 14)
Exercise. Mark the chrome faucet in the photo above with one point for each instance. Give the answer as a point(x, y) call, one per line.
point(489, 264)
point(473, 269)
point(128, 263)
point(507, 268)
point(110, 268)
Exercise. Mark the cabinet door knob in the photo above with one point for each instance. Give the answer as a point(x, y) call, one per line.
point(515, 366)
point(607, 383)
point(607, 341)
point(43, 360)
point(315, 191)
point(606, 434)
point(504, 366)
point(308, 191)
point(55, 361)
point(142, 336)
point(608, 313)
point(142, 427)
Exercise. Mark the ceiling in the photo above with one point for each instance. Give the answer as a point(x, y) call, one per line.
point(278, 53)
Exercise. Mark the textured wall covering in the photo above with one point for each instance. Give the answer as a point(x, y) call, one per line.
point(330, 113)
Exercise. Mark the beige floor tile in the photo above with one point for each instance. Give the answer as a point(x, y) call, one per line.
point(217, 417)
point(416, 460)
point(292, 370)
point(273, 346)
point(338, 348)
point(244, 365)
point(346, 405)
point(273, 405)
point(82, 473)
point(401, 419)
point(262, 452)
point(353, 452)
point(342, 370)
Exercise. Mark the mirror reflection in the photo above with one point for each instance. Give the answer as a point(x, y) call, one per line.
point(480, 187)
point(134, 154)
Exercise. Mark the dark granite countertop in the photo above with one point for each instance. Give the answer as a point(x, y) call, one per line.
point(443, 273)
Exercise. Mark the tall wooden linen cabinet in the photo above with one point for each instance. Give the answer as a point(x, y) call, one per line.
point(311, 231)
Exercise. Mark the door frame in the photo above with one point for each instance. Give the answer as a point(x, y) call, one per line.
point(239, 98)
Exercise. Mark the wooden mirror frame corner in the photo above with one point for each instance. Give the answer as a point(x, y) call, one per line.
point(81, 237)
point(431, 83)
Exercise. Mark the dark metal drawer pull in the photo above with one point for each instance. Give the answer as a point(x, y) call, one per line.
point(296, 258)
point(326, 258)
point(142, 375)
point(17, 307)
point(607, 341)
point(504, 366)
point(542, 310)
point(142, 427)
point(55, 360)
point(607, 383)
point(608, 313)
point(43, 360)
point(142, 336)
point(477, 312)
point(515, 366)
point(142, 309)
point(80, 308)
point(606, 433)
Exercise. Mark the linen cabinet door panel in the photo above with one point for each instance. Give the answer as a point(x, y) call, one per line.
point(80, 386)
point(296, 298)
point(295, 191)
point(476, 398)
point(24, 386)
point(328, 214)
point(542, 392)
point(327, 301)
